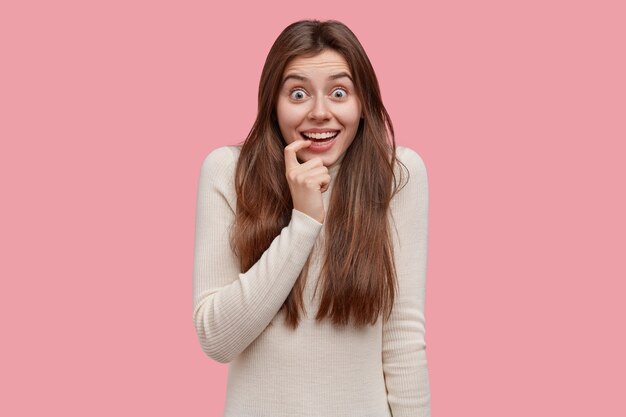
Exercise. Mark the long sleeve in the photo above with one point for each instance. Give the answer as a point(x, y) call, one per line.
point(404, 346)
point(231, 308)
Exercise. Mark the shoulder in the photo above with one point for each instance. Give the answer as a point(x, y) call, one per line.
point(221, 158)
point(217, 174)
point(412, 160)
point(410, 204)
point(412, 168)
point(219, 164)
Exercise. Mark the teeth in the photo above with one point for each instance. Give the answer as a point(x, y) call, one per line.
point(320, 135)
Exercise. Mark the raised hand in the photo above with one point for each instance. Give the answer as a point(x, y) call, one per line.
point(307, 181)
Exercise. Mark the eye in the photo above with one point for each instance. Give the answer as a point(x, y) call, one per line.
point(341, 90)
point(299, 91)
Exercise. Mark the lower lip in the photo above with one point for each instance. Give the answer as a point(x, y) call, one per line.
point(323, 146)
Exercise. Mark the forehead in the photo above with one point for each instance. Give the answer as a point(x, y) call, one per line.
point(323, 64)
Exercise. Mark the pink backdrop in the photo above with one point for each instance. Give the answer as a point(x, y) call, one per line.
point(108, 109)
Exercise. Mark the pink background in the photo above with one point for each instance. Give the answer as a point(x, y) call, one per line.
point(108, 109)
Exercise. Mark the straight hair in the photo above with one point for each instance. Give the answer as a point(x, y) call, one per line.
point(358, 276)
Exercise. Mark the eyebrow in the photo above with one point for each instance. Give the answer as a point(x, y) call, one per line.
point(303, 78)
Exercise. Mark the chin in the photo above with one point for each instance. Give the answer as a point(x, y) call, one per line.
point(326, 159)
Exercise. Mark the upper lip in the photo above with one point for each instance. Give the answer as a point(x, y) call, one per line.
point(319, 130)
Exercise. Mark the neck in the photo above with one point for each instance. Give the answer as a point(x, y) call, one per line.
point(334, 167)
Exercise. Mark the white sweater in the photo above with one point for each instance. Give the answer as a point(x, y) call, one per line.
point(317, 370)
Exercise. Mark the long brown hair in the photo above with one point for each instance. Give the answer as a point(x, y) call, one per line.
point(358, 275)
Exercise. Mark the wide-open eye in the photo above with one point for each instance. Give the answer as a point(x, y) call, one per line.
point(297, 94)
point(340, 90)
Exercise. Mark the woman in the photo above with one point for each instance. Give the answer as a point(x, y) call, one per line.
point(311, 241)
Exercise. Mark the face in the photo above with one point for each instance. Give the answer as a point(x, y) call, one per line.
point(317, 94)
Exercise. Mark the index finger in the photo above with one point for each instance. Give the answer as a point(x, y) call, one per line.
point(291, 161)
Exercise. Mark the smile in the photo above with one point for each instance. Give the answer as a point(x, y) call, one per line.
point(318, 136)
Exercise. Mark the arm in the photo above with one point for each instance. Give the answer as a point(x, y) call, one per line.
point(404, 346)
point(230, 308)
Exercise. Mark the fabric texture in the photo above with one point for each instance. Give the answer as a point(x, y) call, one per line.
point(318, 369)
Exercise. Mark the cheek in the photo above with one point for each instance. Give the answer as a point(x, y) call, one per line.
point(287, 121)
point(350, 114)
point(350, 118)
point(288, 117)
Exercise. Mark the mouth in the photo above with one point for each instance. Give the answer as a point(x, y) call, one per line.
point(320, 137)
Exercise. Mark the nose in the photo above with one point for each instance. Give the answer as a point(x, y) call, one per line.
point(319, 111)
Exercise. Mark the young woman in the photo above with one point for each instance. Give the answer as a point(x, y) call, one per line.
point(311, 243)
